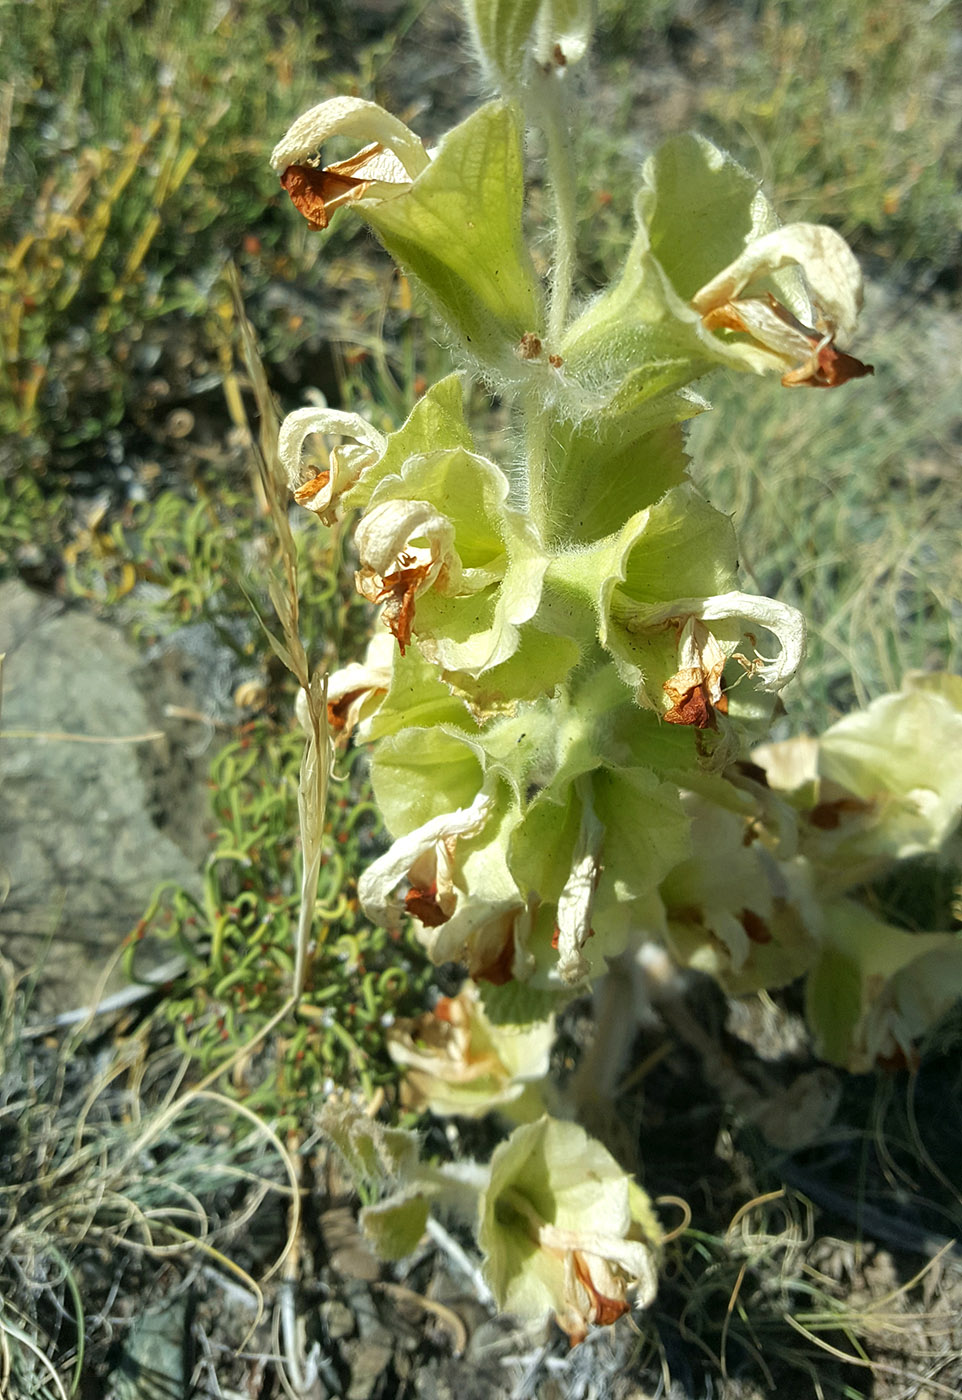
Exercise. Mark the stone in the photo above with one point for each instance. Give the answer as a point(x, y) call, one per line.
point(88, 767)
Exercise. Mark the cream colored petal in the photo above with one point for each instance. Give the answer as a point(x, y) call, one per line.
point(376, 164)
point(784, 622)
point(349, 116)
point(379, 882)
point(393, 527)
point(346, 463)
point(829, 265)
point(633, 1257)
point(577, 899)
point(789, 764)
point(761, 321)
point(700, 652)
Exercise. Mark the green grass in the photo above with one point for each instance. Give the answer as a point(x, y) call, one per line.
point(850, 113)
point(123, 200)
point(237, 941)
point(853, 113)
point(108, 1157)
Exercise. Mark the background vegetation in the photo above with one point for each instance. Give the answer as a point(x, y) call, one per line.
point(133, 144)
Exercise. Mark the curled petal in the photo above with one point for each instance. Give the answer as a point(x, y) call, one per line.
point(351, 116)
point(735, 300)
point(373, 174)
point(813, 358)
point(319, 491)
point(460, 889)
point(395, 527)
point(786, 623)
point(405, 547)
point(425, 858)
point(829, 266)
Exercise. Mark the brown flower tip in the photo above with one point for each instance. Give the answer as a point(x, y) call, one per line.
point(831, 368)
point(423, 904)
point(317, 193)
point(604, 1311)
point(823, 366)
point(310, 489)
point(399, 591)
point(828, 816)
point(339, 710)
point(755, 926)
point(691, 701)
point(500, 969)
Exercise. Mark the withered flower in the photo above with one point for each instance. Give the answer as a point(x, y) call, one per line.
point(736, 300)
point(384, 168)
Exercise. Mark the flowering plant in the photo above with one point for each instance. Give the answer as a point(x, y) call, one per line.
point(566, 670)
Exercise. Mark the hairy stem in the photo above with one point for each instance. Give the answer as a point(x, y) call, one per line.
point(536, 459)
point(553, 118)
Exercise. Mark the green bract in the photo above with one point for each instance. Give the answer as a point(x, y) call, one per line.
point(458, 230)
point(879, 785)
point(876, 989)
point(470, 568)
point(564, 1230)
point(457, 1062)
point(742, 907)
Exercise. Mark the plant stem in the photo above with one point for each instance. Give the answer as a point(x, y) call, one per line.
point(536, 458)
point(553, 118)
point(548, 110)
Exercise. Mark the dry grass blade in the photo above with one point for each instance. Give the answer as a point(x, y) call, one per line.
point(876, 1367)
point(318, 752)
point(9, 1330)
point(76, 1177)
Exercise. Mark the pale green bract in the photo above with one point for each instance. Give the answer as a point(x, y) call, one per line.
point(565, 1230)
point(457, 1061)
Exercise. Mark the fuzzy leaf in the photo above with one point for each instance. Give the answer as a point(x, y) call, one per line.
point(419, 774)
point(876, 989)
point(480, 564)
point(619, 460)
point(436, 421)
point(396, 1224)
point(700, 208)
point(458, 230)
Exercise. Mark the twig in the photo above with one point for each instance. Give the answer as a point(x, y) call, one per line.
point(461, 1260)
point(117, 1001)
point(64, 737)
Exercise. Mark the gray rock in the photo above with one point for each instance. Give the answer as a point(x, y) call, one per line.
point(81, 847)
